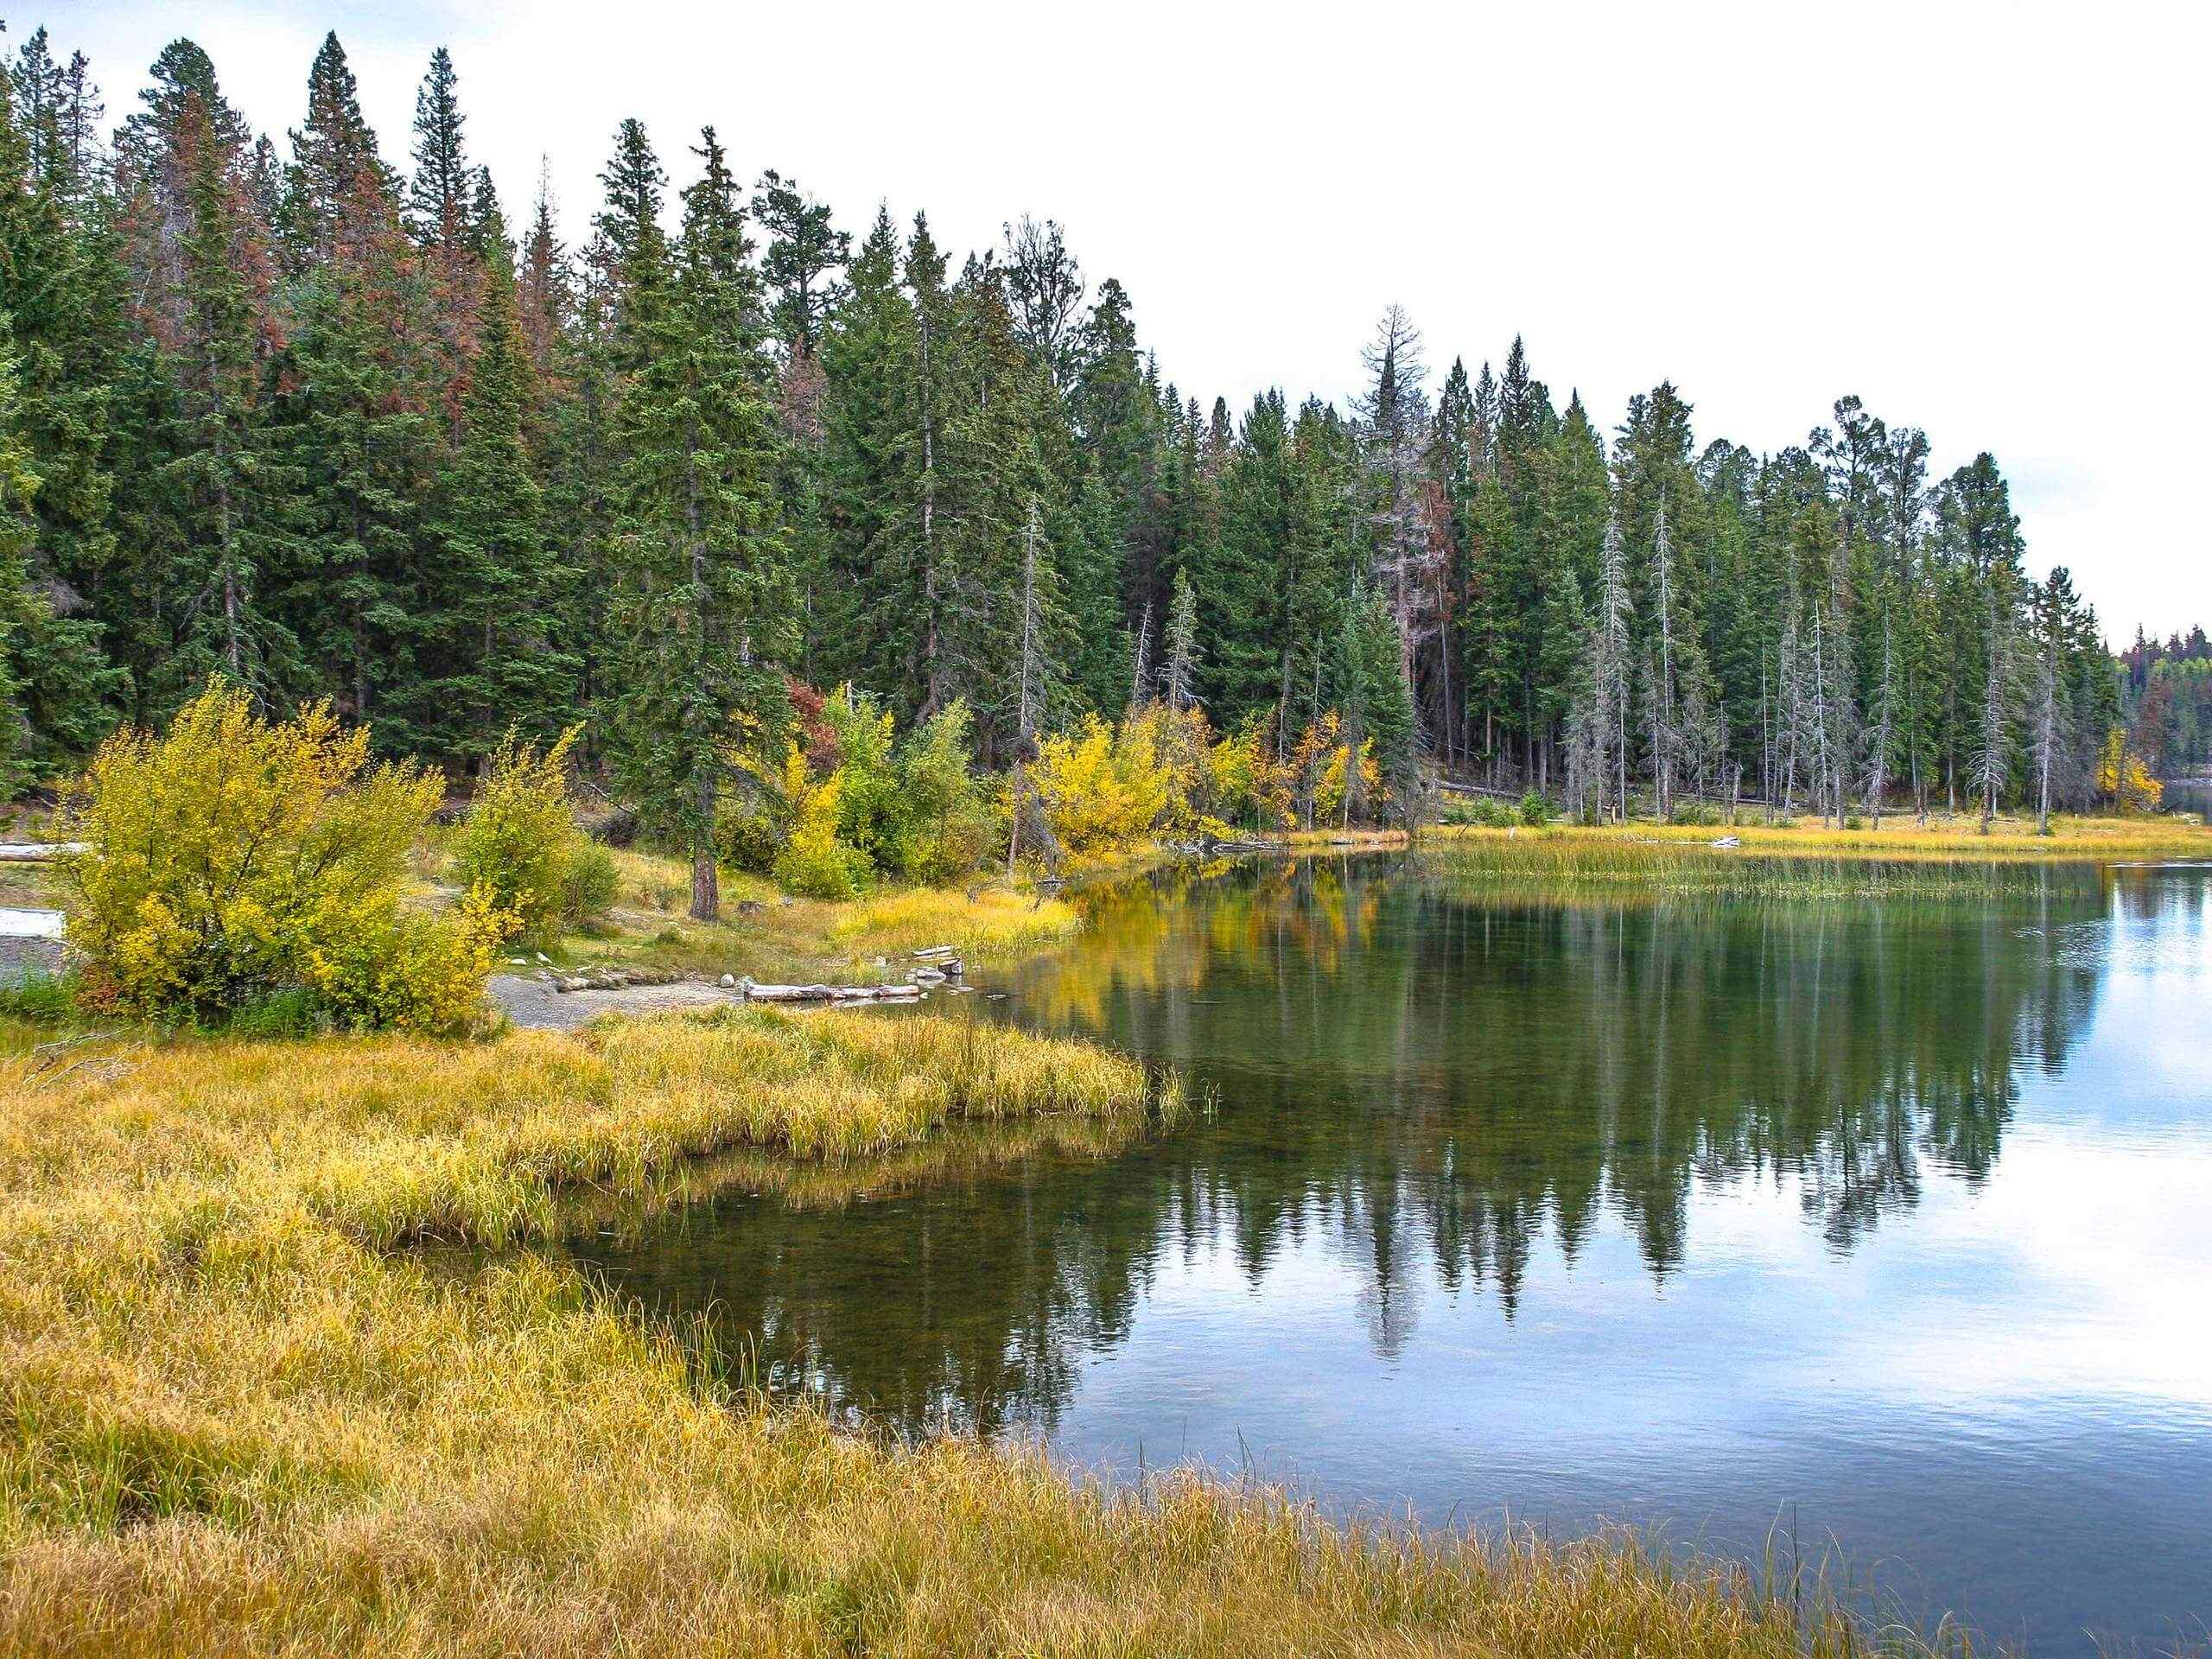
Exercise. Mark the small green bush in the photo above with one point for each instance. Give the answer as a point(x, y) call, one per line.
point(588, 883)
point(749, 837)
point(1482, 813)
point(40, 997)
point(1535, 809)
point(951, 822)
point(296, 1013)
point(520, 835)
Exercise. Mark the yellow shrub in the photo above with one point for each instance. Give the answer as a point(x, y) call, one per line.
point(1244, 782)
point(223, 860)
point(1335, 775)
point(1102, 790)
point(1174, 742)
point(814, 862)
point(2124, 777)
point(520, 842)
point(379, 966)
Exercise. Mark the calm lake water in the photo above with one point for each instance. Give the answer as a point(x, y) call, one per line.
point(1880, 1233)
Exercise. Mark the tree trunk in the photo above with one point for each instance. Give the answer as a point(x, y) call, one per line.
point(706, 879)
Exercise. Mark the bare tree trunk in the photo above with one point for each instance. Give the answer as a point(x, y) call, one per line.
point(933, 698)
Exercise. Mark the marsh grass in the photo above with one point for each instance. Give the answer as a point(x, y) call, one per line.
point(237, 1420)
point(1805, 862)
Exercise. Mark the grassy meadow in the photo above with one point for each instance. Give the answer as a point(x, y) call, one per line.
point(242, 1418)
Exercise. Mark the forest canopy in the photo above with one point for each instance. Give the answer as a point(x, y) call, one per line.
point(337, 425)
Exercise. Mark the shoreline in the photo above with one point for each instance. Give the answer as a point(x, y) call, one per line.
point(246, 1417)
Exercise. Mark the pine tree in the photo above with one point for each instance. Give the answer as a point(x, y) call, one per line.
point(1608, 720)
point(64, 333)
point(1369, 688)
point(991, 464)
point(702, 608)
point(441, 217)
point(437, 196)
point(1395, 431)
point(498, 579)
point(926, 580)
point(1044, 289)
point(1245, 582)
point(804, 254)
point(352, 426)
point(334, 168)
point(872, 479)
point(544, 295)
point(1033, 696)
point(226, 482)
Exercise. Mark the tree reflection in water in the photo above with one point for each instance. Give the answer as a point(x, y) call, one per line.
point(1422, 1081)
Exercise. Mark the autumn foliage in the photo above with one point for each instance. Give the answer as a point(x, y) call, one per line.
point(235, 861)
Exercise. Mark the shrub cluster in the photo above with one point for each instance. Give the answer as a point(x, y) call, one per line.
point(236, 863)
point(1164, 771)
point(858, 804)
point(520, 843)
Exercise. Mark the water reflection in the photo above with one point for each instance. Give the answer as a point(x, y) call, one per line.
point(1888, 1218)
point(1421, 1084)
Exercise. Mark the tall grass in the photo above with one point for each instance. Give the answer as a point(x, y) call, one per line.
point(1797, 862)
point(236, 1421)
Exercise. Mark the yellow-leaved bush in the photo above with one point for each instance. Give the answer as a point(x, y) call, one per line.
point(1102, 789)
point(813, 862)
point(521, 844)
point(233, 859)
point(1245, 783)
point(2124, 777)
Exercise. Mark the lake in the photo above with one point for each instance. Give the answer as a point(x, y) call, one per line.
point(1874, 1236)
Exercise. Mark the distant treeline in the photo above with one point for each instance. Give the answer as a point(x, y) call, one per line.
point(337, 429)
point(2169, 688)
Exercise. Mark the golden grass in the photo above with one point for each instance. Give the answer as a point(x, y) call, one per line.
point(1943, 858)
point(772, 935)
point(237, 1421)
point(1942, 836)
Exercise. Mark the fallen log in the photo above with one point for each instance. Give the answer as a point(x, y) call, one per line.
point(892, 992)
point(38, 852)
point(786, 993)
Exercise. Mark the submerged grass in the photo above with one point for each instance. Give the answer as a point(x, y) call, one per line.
point(234, 1418)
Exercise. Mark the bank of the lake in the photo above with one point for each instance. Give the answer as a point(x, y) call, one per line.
point(999, 923)
point(242, 1419)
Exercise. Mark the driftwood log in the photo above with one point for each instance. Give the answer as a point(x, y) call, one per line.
point(38, 852)
point(893, 992)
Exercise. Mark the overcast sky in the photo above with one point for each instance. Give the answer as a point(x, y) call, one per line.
point(1986, 220)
